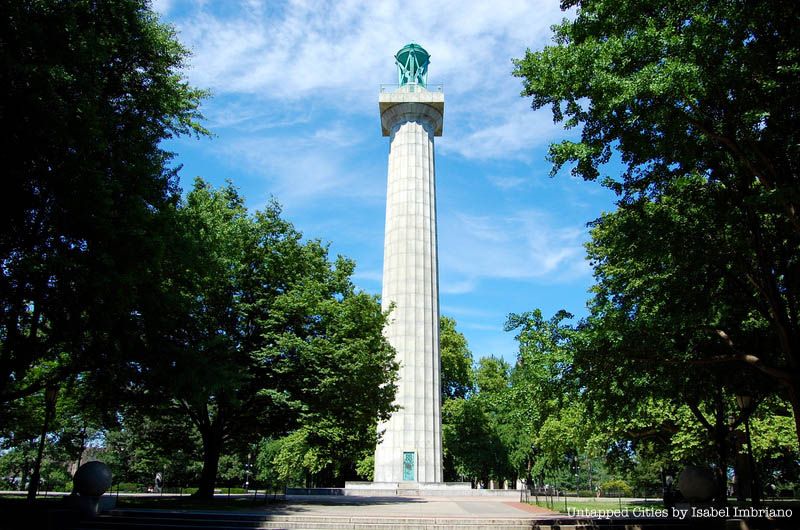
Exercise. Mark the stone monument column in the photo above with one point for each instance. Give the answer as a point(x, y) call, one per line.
point(411, 115)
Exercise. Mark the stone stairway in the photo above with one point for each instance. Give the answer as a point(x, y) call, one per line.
point(178, 520)
point(184, 520)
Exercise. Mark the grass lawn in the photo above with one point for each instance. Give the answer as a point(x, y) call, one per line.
point(559, 505)
point(637, 508)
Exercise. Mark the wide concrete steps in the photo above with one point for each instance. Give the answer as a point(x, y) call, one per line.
point(174, 520)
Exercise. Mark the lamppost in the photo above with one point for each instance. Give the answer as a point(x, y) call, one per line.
point(247, 474)
point(746, 405)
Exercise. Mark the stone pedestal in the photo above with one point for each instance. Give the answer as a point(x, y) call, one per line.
point(90, 505)
point(411, 450)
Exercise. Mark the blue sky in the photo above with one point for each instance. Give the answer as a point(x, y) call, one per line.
point(294, 114)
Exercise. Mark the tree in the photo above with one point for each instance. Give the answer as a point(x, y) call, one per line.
point(473, 427)
point(664, 299)
point(456, 360)
point(42, 438)
point(473, 447)
point(143, 445)
point(261, 334)
point(705, 91)
point(548, 416)
point(89, 91)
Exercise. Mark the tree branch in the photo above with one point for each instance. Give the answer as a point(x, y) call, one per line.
point(748, 358)
point(734, 149)
point(701, 418)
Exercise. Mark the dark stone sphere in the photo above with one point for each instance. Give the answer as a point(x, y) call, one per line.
point(697, 484)
point(92, 479)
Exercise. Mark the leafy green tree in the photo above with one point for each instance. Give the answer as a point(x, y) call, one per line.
point(473, 427)
point(474, 448)
point(143, 445)
point(88, 91)
point(667, 312)
point(19, 440)
point(548, 417)
point(281, 462)
point(774, 446)
point(492, 376)
point(699, 100)
point(231, 470)
point(73, 424)
point(456, 360)
point(261, 334)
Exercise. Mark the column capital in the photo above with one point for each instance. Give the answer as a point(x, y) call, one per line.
point(404, 106)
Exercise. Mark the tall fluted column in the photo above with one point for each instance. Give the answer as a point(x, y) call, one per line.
point(411, 449)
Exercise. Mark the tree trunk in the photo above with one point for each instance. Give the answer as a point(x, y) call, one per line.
point(794, 399)
point(49, 409)
point(722, 469)
point(722, 431)
point(23, 479)
point(212, 447)
point(718, 432)
point(33, 487)
point(528, 476)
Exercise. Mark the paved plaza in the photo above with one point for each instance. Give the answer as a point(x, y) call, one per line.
point(454, 506)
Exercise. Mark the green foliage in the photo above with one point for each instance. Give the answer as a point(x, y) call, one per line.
point(72, 428)
point(547, 416)
point(89, 91)
point(263, 334)
point(675, 87)
point(294, 460)
point(366, 467)
point(774, 444)
point(473, 446)
point(16, 464)
point(616, 487)
point(456, 360)
point(144, 445)
point(491, 376)
point(268, 472)
point(231, 470)
point(130, 487)
point(697, 270)
point(696, 297)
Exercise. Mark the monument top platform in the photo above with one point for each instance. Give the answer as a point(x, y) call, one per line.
point(392, 95)
point(411, 87)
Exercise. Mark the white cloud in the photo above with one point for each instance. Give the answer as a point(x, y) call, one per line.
point(162, 6)
point(512, 135)
point(450, 286)
point(345, 44)
point(338, 53)
point(483, 327)
point(249, 116)
point(300, 166)
point(508, 182)
point(373, 275)
point(465, 311)
point(525, 246)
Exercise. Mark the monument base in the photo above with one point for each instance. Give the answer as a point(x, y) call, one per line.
point(422, 489)
point(389, 489)
point(90, 506)
point(449, 486)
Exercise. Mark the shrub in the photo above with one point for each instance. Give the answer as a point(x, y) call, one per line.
point(129, 487)
point(614, 487)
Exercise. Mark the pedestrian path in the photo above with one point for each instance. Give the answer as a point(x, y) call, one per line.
point(340, 513)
